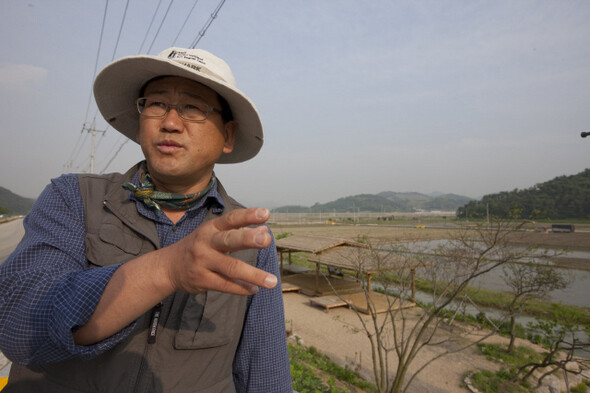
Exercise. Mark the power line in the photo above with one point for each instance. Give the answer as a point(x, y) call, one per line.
point(121, 136)
point(69, 161)
point(78, 147)
point(120, 30)
point(150, 26)
point(184, 24)
point(204, 29)
point(159, 27)
point(97, 56)
point(116, 154)
point(196, 41)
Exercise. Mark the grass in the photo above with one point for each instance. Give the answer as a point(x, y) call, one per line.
point(503, 380)
point(501, 300)
point(582, 387)
point(535, 308)
point(519, 356)
point(489, 382)
point(314, 372)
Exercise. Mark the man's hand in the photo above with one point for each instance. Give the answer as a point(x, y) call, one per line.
point(197, 263)
point(201, 262)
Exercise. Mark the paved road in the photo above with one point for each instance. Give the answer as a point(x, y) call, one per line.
point(10, 234)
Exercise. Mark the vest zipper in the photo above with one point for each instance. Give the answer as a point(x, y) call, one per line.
point(156, 312)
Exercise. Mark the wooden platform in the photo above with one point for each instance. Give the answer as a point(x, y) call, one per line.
point(294, 269)
point(324, 285)
point(288, 287)
point(381, 303)
point(328, 302)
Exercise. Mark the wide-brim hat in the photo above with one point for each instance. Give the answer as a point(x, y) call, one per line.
point(119, 84)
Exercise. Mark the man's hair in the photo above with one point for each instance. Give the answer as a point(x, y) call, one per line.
point(226, 114)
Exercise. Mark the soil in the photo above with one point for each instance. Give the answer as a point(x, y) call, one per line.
point(339, 332)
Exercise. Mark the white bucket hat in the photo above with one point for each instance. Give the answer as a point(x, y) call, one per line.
point(118, 85)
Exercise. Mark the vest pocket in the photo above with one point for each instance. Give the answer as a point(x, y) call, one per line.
point(114, 243)
point(209, 320)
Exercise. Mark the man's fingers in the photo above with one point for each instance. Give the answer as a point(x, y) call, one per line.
point(235, 274)
point(240, 239)
point(205, 260)
point(240, 218)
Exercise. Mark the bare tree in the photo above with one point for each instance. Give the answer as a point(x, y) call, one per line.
point(448, 268)
point(527, 281)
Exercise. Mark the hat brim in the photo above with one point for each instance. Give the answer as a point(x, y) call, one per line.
point(119, 84)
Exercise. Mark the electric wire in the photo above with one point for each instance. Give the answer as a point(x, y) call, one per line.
point(104, 18)
point(117, 143)
point(159, 27)
point(69, 161)
point(185, 21)
point(120, 30)
point(206, 27)
point(113, 57)
point(200, 35)
point(150, 26)
point(116, 46)
point(115, 155)
point(78, 147)
point(113, 147)
point(77, 153)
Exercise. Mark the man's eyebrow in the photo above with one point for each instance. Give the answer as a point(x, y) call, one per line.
point(159, 92)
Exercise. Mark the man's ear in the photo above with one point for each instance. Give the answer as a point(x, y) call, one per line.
point(231, 128)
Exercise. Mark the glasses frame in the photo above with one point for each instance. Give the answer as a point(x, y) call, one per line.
point(176, 107)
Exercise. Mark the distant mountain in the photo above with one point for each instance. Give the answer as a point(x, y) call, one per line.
point(387, 201)
point(564, 197)
point(15, 204)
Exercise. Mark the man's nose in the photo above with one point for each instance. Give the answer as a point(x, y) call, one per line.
point(172, 120)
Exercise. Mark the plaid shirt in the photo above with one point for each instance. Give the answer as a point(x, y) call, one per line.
point(47, 289)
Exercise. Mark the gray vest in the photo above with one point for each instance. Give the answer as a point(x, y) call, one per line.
point(197, 335)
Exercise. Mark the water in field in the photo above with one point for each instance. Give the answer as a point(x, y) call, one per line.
point(577, 292)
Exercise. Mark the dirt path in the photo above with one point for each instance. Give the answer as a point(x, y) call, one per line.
point(339, 334)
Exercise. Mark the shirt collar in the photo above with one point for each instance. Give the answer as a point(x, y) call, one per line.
point(211, 200)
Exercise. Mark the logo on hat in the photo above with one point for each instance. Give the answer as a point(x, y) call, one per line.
point(187, 56)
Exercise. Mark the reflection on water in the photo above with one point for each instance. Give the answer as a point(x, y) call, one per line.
point(577, 293)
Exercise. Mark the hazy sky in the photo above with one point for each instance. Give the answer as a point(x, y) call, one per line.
point(465, 97)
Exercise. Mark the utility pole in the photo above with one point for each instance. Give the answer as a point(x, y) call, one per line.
point(93, 131)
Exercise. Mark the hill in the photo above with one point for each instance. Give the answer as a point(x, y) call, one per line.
point(564, 197)
point(15, 204)
point(383, 202)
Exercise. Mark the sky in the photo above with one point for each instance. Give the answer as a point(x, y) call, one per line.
point(356, 97)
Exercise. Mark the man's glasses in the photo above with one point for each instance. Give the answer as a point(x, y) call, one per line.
point(189, 109)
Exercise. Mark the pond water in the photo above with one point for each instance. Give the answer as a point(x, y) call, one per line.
point(577, 292)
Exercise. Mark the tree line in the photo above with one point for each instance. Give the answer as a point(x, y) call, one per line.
point(564, 197)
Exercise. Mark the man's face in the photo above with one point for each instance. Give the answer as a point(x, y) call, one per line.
point(181, 154)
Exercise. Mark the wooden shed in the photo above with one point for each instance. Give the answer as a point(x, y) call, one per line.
point(338, 254)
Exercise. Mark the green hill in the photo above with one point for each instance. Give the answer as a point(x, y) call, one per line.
point(13, 204)
point(383, 202)
point(564, 197)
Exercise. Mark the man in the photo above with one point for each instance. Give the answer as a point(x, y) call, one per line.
point(154, 280)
